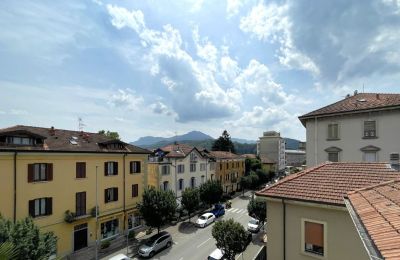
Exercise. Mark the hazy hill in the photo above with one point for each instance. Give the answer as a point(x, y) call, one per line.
point(151, 140)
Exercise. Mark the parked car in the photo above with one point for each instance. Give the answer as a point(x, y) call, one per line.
point(120, 257)
point(254, 225)
point(219, 210)
point(155, 243)
point(205, 219)
point(217, 254)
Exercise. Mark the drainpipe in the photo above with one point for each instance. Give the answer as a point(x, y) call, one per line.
point(124, 201)
point(15, 187)
point(284, 229)
point(315, 141)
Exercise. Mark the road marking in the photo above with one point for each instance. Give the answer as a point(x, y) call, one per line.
point(239, 256)
point(175, 243)
point(230, 209)
point(233, 211)
point(181, 258)
point(240, 211)
point(203, 242)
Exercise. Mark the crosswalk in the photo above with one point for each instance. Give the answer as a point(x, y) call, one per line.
point(237, 210)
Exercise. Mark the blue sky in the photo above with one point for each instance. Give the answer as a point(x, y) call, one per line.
point(163, 67)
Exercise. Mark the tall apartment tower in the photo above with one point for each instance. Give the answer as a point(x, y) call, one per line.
point(272, 146)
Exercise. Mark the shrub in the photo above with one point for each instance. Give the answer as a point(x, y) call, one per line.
point(105, 244)
point(69, 216)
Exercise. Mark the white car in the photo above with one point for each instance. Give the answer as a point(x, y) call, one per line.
point(254, 225)
point(217, 254)
point(120, 257)
point(205, 219)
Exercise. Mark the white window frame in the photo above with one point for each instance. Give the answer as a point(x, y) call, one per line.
point(302, 249)
point(370, 152)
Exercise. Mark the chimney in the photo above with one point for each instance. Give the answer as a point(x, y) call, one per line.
point(355, 92)
point(377, 96)
point(52, 131)
point(395, 161)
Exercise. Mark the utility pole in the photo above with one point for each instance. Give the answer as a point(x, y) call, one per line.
point(97, 218)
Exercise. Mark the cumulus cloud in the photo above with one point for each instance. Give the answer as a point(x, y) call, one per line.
point(160, 108)
point(233, 6)
point(126, 99)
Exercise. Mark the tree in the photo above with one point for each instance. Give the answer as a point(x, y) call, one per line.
point(252, 164)
point(263, 176)
point(231, 237)
point(112, 135)
point(224, 143)
point(253, 180)
point(190, 200)
point(211, 192)
point(257, 209)
point(245, 183)
point(157, 207)
point(25, 240)
point(7, 251)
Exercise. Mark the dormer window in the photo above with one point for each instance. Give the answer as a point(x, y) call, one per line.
point(20, 140)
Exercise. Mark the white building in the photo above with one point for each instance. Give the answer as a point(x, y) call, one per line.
point(363, 127)
point(295, 158)
point(272, 145)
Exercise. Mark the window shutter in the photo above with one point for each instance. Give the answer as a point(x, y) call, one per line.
point(30, 172)
point(105, 169)
point(115, 194)
point(49, 171)
point(131, 167)
point(314, 234)
point(115, 168)
point(77, 203)
point(49, 206)
point(105, 196)
point(139, 167)
point(32, 208)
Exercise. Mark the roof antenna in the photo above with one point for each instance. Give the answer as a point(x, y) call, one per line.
point(175, 138)
point(363, 87)
point(80, 124)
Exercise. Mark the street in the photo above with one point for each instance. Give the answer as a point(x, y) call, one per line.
point(194, 243)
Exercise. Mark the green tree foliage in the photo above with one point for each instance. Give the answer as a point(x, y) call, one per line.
point(257, 209)
point(245, 183)
point(252, 164)
point(231, 237)
point(263, 176)
point(26, 240)
point(112, 135)
point(157, 207)
point(211, 192)
point(190, 200)
point(224, 143)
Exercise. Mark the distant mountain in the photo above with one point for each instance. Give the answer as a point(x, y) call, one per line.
point(148, 141)
point(243, 141)
point(292, 144)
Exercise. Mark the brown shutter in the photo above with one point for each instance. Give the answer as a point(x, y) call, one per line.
point(105, 196)
point(83, 170)
point(83, 202)
point(77, 203)
point(30, 172)
point(49, 206)
point(115, 194)
point(49, 171)
point(314, 234)
point(105, 169)
point(115, 168)
point(139, 167)
point(32, 208)
point(130, 167)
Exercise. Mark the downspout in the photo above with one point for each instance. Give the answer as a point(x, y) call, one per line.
point(124, 188)
point(176, 180)
point(15, 187)
point(284, 229)
point(315, 142)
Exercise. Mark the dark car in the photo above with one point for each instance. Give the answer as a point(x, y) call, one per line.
point(219, 210)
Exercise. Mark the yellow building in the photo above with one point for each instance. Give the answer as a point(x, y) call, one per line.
point(46, 172)
point(229, 169)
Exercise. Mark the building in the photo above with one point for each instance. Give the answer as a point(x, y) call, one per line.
point(363, 127)
point(267, 163)
point(46, 172)
point(308, 218)
point(180, 166)
point(295, 158)
point(229, 169)
point(272, 146)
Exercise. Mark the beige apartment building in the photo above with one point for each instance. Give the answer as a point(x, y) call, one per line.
point(364, 127)
point(272, 146)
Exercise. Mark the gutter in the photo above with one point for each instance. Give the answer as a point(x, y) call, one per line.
point(124, 182)
point(15, 187)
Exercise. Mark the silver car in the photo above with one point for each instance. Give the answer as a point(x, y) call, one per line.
point(155, 243)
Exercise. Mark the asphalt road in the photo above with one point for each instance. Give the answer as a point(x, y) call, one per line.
point(192, 243)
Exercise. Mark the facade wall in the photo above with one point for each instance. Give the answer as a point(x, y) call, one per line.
point(229, 167)
point(351, 136)
point(274, 148)
point(64, 186)
point(295, 158)
point(342, 238)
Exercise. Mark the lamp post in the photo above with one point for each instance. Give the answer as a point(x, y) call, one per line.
point(97, 218)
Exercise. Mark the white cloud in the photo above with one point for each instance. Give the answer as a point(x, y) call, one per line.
point(261, 117)
point(229, 68)
point(160, 108)
point(233, 6)
point(126, 99)
point(121, 17)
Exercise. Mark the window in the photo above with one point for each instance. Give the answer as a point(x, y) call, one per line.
point(220, 166)
point(193, 182)
point(333, 131)
point(40, 172)
point(135, 190)
point(135, 167)
point(20, 140)
point(313, 237)
point(134, 221)
point(333, 156)
point(369, 129)
point(370, 157)
point(80, 170)
point(181, 184)
point(181, 168)
point(110, 168)
point(80, 205)
point(41, 207)
point(110, 195)
point(165, 185)
point(109, 228)
point(212, 166)
point(202, 179)
point(202, 166)
point(212, 177)
point(192, 167)
point(193, 157)
point(164, 169)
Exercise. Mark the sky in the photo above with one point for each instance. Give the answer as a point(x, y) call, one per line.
point(162, 68)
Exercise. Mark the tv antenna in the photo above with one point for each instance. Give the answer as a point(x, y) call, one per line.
point(80, 124)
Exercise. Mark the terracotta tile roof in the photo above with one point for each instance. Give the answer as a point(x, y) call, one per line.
point(378, 209)
point(60, 141)
point(328, 183)
point(177, 150)
point(248, 156)
point(359, 102)
point(224, 155)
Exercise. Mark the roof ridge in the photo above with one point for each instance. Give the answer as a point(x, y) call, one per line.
point(369, 187)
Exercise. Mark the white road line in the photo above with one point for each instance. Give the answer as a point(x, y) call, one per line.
point(240, 211)
point(233, 211)
point(229, 209)
point(203, 242)
point(181, 258)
